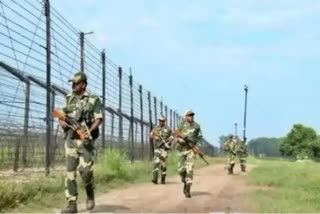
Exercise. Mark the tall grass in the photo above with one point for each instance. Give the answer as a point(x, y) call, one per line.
point(113, 169)
point(286, 187)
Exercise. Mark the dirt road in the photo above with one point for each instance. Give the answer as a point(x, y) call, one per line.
point(213, 191)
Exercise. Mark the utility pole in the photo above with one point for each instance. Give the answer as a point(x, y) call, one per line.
point(245, 113)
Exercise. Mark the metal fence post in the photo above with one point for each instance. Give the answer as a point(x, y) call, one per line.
point(103, 58)
point(48, 71)
point(141, 118)
point(174, 120)
point(120, 107)
point(155, 110)
point(151, 127)
point(166, 112)
point(26, 125)
point(131, 117)
point(171, 118)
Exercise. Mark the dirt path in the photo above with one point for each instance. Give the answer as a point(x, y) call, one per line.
point(213, 191)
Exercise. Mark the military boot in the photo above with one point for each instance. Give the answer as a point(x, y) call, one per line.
point(70, 208)
point(229, 170)
point(90, 199)
point(187, 190)
point(232, 166)
point(155, 178)
point(243, 167)
point(163, 178)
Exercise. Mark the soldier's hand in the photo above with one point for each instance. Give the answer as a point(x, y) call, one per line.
point(63, 124)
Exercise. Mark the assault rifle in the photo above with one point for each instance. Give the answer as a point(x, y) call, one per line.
point(73, 124)
point(164, 143)
point(194, 148)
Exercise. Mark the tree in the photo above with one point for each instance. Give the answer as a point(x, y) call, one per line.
point(266, 146)
point(301, 141)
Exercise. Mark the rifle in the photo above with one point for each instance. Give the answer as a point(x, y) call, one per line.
point(194, 148)
point(163, 142)
point(72, 123)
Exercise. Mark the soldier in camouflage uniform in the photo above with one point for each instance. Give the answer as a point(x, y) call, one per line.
point(162, 135)
point(230, 147)
point(191, 132)
point(87, 110)
point(242, 153)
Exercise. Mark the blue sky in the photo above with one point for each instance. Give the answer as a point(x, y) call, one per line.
point(200, 54)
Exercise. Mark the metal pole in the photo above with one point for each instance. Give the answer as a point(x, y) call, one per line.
point(141, 118)
point(48, 116)
point(171, 118)
point(53, 145)
point(155, 110)
point(235, 129)
point(151, 126)
point(103, 58)
point(174, 119)
point(166, 112)
point(112, 129)
point(120, 106)
point(26, 125)
point(82, 51)
point(131, 116)
point(245, 114)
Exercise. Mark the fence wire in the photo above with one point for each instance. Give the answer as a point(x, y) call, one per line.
point(23, 89)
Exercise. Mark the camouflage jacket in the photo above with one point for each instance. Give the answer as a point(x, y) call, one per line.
point(165, 134)
point(230, 146)
point(84, 109)
point(241, 148)
point(192, 131)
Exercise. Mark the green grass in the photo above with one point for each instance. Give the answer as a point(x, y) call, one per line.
point(285, 186)
point(114, 170)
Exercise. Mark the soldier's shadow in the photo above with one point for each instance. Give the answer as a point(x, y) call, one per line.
point(173, 182)
point(110, 208)
point(200, 193)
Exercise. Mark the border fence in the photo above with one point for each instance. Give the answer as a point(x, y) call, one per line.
point(39, 52)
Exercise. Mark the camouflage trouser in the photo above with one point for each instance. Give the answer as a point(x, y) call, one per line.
point(231, 158)
point(185, 165)
point(78, 156)
point(242, 158)
point(160, 160)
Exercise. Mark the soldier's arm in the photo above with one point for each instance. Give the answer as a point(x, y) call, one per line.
point(97, 113)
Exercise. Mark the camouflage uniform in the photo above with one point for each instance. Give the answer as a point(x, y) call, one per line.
point(161, 148)
point(230, 148)
point(79, 153)
point(193, 134)
point(242, 153)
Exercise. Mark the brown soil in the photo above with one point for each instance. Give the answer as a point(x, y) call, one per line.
point(213, 191)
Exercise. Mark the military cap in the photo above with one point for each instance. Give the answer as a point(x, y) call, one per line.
point(78, 77)
point(230, 135)
point(162, 118)
point(189, 113)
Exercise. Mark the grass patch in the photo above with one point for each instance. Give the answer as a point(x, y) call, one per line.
point(113, 170)
point(286, 186)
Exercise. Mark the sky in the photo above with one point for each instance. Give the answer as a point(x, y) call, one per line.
point(199, 55)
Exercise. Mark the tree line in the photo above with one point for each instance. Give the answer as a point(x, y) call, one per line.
point(301, 142)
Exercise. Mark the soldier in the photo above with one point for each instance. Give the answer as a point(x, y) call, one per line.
point(162, 135)
point(242, 153)
point(191, 133)
point(231, 150)
point(87, 110)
